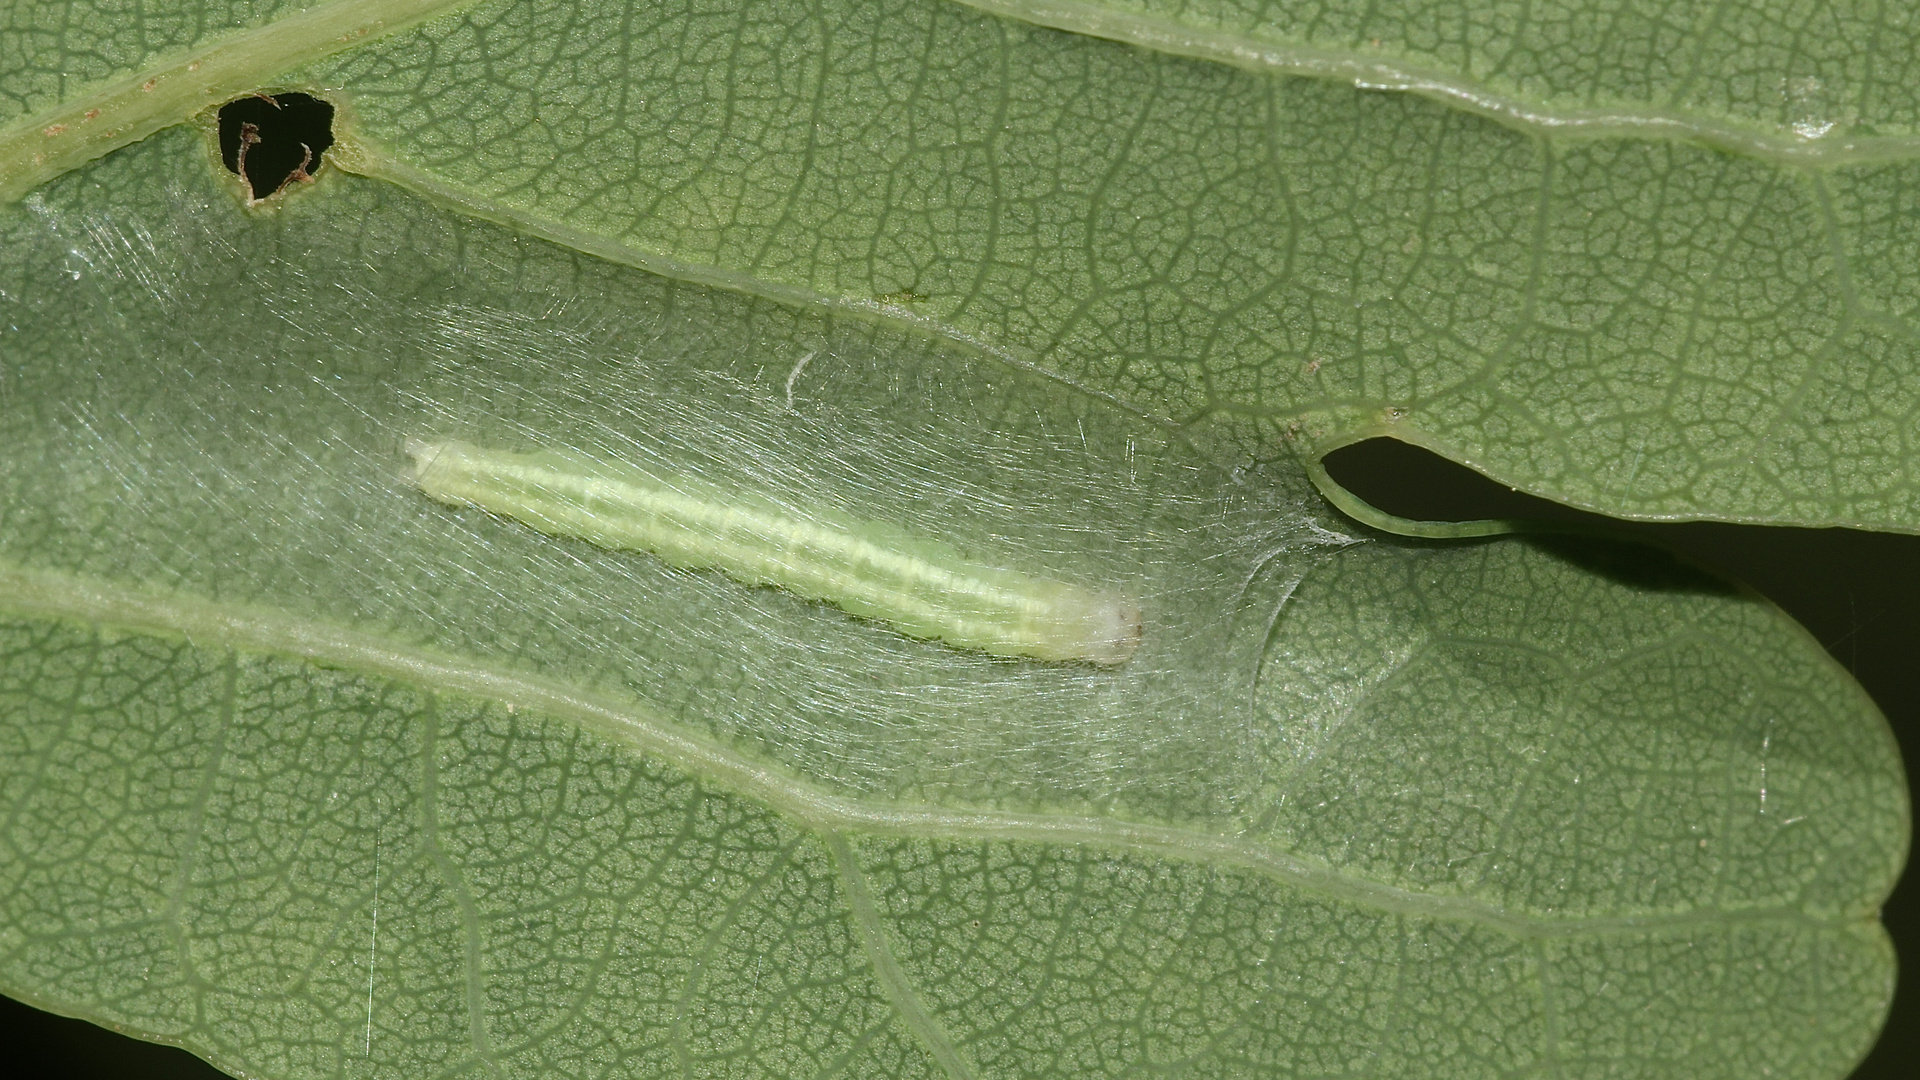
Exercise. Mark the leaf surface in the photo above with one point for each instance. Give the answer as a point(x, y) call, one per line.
point(1650, 288)
point(318, 776)
point(1804, 79)
point(1648, 327)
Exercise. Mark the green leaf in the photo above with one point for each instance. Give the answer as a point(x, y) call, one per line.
point(315, 775)
point(1807, 81)
point(1649, 328)
point(1652, 289)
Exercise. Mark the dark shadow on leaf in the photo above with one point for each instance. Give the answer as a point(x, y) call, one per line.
point(1857, 592)
point(1637, 564)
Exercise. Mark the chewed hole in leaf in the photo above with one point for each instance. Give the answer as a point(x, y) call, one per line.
point(273, 141)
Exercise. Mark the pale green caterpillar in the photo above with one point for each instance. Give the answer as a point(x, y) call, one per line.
point(921, 587)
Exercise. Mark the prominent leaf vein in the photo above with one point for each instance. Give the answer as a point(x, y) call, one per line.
point(1450, 88)
point(900, 993)
point(50, 143)
point(61, 596)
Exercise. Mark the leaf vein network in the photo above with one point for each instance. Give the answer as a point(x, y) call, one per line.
point(63, 597)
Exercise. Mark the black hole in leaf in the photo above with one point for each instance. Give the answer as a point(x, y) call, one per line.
point(272, 141)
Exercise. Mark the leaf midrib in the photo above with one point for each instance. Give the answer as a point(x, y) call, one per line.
point(362, 157)
point(171, 91)
point(49, 594)
point(54, 141)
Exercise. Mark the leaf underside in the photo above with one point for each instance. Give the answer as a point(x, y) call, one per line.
point(319, 777)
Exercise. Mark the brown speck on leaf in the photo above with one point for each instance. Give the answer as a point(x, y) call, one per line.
point(93, 114)
point(149, 85)
point(54, 131)
point(299, 173)
point(249, 137)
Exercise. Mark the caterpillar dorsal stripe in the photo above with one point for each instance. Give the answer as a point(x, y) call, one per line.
point(922, 587)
